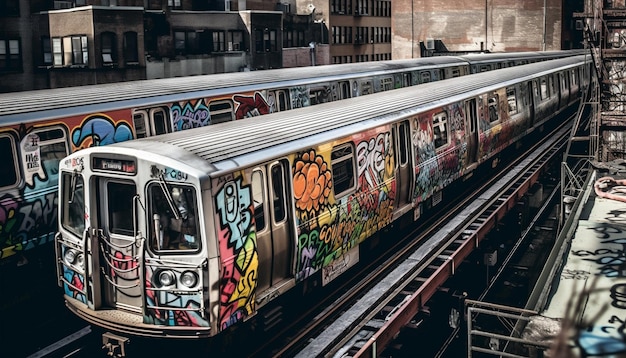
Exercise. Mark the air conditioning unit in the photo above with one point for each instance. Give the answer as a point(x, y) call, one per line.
point(430, 44)
point(63, 5)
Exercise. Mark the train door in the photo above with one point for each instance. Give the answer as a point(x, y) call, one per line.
point(344, 90)
point(119, 252)
point(471, 125)
point(281, 100)
point(272, 208)
point(404, 167)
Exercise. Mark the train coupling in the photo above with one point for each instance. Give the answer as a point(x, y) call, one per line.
point(114, 345)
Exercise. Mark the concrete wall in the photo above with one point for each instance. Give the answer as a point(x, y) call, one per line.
point(497, 25)
point(301, 56)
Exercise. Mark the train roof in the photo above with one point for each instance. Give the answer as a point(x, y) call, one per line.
point(511, 56)
point(63, 102)
point(224, 147)
point(21, 107)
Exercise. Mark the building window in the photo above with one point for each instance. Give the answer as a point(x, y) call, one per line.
point(218, 41)
point(75, 50)
point(9, 8)
point(10, 55)
point(174, 4)
point(108, 48)
point(131, 51)
point(265, 40)
point(57, 52)
point(235, 40)
point(46, 50)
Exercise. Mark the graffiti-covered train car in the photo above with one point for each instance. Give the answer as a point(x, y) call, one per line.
point(188, 234)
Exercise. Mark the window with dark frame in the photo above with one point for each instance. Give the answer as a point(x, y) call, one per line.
point(108, 48)
point(131, 50)
point(342, 164)
point(10, 55)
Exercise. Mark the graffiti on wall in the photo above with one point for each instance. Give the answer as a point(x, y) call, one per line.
point(238, 248)
point(606, 335)
point(187, 115)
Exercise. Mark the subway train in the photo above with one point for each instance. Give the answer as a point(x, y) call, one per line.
point(37, 128)
point(190, 234)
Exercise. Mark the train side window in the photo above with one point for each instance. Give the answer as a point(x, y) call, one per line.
point(484, 68)
point(511, 97)
point(386, 84)
point(221, 111)
point(258, 196)
point(160, 122)
point(455, 72)
point(574, 76)
point(424, 77)
point(9, 171)
point(543, 88)
point(72, 213)
point(139, 122)
point(404, 149)
point(345, 89)
point(551, 85)
point(283, 100)
point(319, 95)
point(342, 163)
point(278, 192)
point(440, 129)
point(407, 79)
point(366, 87)
point(493, 108)
point(52, 148)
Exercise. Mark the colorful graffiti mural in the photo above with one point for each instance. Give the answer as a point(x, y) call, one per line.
point(329, 227)
point(237, 240)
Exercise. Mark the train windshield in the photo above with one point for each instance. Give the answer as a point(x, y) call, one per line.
point(175, 221)
point(73, 201)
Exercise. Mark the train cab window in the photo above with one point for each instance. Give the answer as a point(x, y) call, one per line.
point(9, 170)
point(73, 203)
point(258, 196)
point(424, 77)
point(366, 87)
point(511, 98)
point(440, 129)
point(222, 111)
point(342, 163)
point(493, 108)
point(175, 225)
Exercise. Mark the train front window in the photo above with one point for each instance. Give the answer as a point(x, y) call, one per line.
point(120, 201)
point(73, 203)
point(174, 215)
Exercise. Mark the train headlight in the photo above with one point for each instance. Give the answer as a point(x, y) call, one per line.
point(166, 278)
point(69, 257)
point(80, 261)
point(189, 279)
